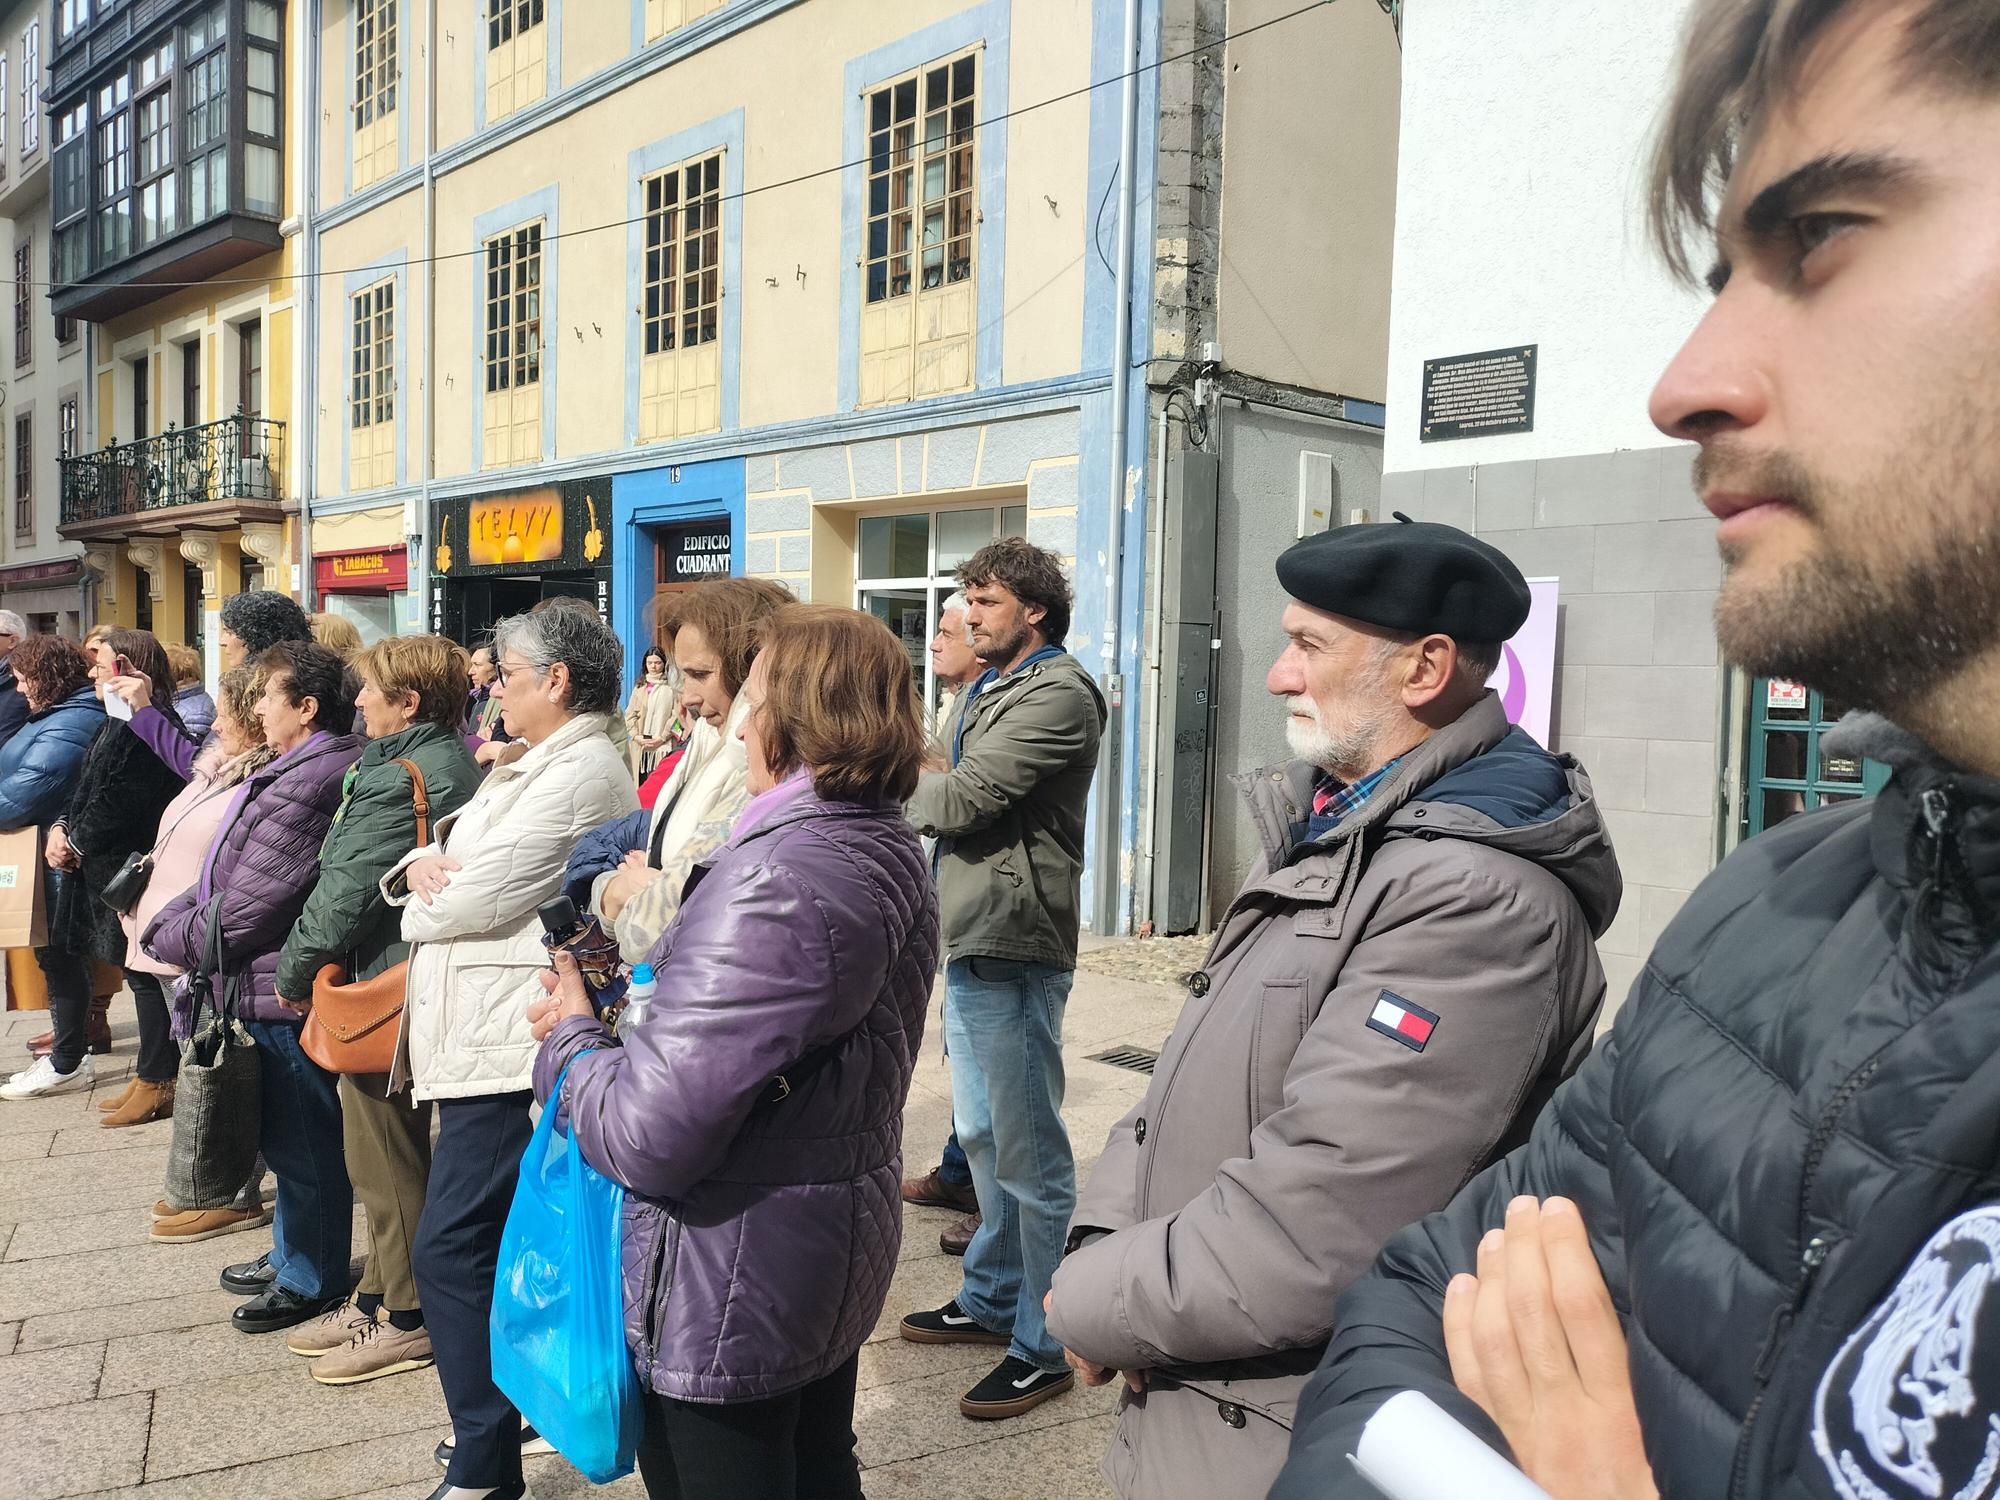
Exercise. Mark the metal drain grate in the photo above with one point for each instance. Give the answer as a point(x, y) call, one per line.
point(1135, 1059)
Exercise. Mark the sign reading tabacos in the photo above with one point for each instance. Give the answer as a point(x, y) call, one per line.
point(516, 529)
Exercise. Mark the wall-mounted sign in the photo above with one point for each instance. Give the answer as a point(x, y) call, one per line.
point(511, 529)
point(1526, 676)
point(381, 570)
point(554, 529)
point(694, 551)
point(1781, 694)
point(1479, 395)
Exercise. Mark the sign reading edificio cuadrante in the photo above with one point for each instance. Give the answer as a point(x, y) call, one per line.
point(694, 551)
point(1479, 395)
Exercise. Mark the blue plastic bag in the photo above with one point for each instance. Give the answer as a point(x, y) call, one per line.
point(559, 1307)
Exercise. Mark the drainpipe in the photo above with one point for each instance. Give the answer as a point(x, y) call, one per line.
point(1113, 914)
point(308, 429)
point(420, 566)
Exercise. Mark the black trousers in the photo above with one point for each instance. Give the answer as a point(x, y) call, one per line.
point(68, 976)
point(159, 1059)
point(798, 1446)
point(457, 1248)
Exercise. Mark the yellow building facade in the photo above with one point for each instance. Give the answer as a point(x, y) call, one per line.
point(795, 288)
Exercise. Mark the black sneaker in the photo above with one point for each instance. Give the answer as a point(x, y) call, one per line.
point(249, 1277)
point(533, 1445)
point(949, 1324)
point(1012, 1389)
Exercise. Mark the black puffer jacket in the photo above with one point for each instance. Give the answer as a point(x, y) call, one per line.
point(1788, 1155)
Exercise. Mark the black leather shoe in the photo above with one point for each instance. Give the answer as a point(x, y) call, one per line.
point(278, 1307)
point(249, 1277)
point(505, 1492)
point(533, 1445)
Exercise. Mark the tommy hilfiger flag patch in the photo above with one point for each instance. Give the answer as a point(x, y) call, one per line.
point(1409, 1024)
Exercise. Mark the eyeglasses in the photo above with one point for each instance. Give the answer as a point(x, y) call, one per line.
point(508, 672)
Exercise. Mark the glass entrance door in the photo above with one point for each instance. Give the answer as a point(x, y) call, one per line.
point(1791, 771)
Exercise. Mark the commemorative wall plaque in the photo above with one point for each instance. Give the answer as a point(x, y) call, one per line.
point(1480, 395)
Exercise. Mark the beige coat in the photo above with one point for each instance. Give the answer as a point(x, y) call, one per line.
point(1283, 1138)
point(698, 806)
point(649, 712)
point(477, 952)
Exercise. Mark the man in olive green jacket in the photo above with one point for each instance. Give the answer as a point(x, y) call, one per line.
point(1008, 816)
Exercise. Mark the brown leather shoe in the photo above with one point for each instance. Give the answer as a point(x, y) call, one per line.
point(955, 1239)
point(96, 1033)
point(933, 1191)
point(147, 1102)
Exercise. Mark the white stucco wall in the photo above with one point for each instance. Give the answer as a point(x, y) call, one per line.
point(1526, 127)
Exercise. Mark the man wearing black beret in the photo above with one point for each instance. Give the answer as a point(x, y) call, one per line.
point(1404, 979)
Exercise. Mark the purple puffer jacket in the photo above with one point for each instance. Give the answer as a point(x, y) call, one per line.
point(760, 1238)
point(265, 861)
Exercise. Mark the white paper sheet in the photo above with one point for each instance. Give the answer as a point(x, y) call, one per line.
point(1412, 1449)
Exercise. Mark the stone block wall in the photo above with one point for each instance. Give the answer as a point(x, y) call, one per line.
point(1640, 682)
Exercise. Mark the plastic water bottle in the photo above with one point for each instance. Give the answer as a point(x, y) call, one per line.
point(638, 996)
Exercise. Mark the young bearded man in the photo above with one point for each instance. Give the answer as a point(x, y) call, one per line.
point(1008, 815)
point(1753, 1249)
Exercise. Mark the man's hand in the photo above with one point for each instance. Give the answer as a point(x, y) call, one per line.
point(1096, 1375)
point(1534, 1339)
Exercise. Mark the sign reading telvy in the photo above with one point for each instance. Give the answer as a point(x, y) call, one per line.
point(516, 529)
point(1480, 395)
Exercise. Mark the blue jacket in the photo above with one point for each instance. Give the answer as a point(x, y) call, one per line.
point(40, 764)
point(602, 850)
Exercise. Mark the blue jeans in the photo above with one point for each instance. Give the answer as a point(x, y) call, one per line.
point(1003, 1029)
point(953, 1169)
point(312, 1228)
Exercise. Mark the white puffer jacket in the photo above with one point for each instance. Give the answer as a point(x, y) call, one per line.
point(477, 948)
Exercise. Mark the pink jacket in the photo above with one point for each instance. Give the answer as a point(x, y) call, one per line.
point(187, 828)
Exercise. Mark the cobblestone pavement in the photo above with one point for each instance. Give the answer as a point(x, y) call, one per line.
point(120, 1374)
point(1161, 960)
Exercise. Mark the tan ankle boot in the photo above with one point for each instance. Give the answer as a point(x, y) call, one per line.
point(117, 1100)
point(148, 1101)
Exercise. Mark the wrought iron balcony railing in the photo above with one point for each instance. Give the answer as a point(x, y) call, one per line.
point(237, 458)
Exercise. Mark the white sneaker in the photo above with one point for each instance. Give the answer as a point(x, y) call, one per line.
point(42, 1080)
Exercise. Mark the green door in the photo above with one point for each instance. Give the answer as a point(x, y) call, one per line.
point(1790, 772)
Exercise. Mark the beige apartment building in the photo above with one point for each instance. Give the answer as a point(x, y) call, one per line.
point(604, 297)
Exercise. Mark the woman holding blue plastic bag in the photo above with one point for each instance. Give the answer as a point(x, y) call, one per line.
point(755, 1114)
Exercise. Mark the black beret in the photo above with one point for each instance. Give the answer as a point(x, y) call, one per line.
point(1417, 577)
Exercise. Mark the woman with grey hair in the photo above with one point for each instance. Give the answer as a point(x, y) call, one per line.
point(469, 901)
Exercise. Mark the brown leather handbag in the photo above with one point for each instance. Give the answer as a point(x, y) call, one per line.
point(353, 1027)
